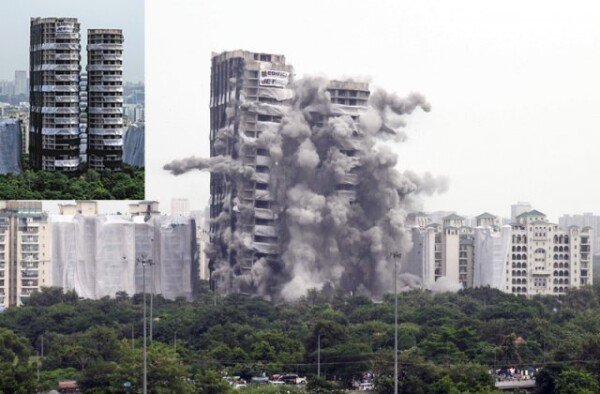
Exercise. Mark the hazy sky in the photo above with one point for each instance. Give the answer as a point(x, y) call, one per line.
point(118, 14)
point(514, 87)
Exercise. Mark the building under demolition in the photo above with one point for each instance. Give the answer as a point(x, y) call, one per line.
point(249, 94)
point(301, 196)
point(255, 104)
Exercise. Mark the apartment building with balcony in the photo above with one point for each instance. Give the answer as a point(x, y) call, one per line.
point(531, 256)
point(54, 94)
point(105, 99)
point(545, 259)
point(24, 251)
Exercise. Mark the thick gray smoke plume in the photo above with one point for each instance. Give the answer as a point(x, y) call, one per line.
point(217, 165)
point(330, 235)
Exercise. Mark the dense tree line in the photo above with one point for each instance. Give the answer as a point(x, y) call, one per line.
point(127, 184)
point(448, 342)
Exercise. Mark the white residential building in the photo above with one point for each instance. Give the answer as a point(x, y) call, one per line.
point(24, 251)
point(531, 256)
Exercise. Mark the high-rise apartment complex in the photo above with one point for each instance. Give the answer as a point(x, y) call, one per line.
point(531, 256)
point(24, 251)
point(54, 94)
point(545, 259)
point(105, 99)
point(75, 118)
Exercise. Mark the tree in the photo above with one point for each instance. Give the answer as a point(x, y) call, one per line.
point(572, 381)
point(209, 382)
point(16, 373)
point(444, 386)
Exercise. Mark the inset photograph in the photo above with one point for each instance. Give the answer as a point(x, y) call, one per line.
point(72, 100)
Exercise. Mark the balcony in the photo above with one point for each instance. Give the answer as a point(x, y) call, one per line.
point(66, 121)
point(104, 67)
point(72, 163)
point(103, 88)
point(97, 47)
point(60, 110)
point(66, 56)
point(67, 99)
point(109, 110)
point(67, 78)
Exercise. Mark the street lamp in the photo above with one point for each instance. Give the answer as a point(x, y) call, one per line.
point(143, 260)
point(396, 256)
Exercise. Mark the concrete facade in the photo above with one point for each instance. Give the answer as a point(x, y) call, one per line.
point(531, 256)
point(54, 94)
point(249, 93)
point(105, 99)
point(547, 260)
point(24, 251)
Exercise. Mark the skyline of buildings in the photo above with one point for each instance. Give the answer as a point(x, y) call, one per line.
point(531, 256)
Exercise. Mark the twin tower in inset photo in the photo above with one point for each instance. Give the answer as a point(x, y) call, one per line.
point(72, 121)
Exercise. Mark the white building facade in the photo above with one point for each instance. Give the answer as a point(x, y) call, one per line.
point(529, 257)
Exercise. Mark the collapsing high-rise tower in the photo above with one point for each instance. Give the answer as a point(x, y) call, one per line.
point(54, 94)
point(250, 94)
point(261, 81)
point(302, 193)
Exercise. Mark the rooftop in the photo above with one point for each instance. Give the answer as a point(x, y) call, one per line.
point(486, 215)
point(531, 213)
point(454, 216)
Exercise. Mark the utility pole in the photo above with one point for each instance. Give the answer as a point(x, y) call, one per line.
point(175, 341)
point(319, 355)
point(38, 368)
point(145, 261)
point(396, 256)
point(151, 300)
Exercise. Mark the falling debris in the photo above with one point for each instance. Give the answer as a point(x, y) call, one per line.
point(327, 205)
